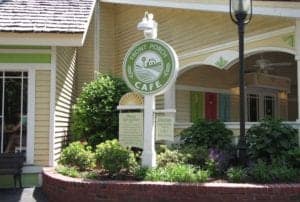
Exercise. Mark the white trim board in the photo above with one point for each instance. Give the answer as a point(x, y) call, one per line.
point(43, 51)
point(52, 106)
point(257, 10)
point(201, 89)
point(31, 116)
point(41, 39)
point(25, 66)
point(231, 44)
point(97, 40)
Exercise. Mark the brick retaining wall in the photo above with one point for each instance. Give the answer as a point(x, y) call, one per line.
point(60, 188)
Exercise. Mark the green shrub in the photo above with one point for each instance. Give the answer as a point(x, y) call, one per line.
point(177, 173)
point(113, 157)
point(78, 155)
point(275, 172)
point(67, 171)
point(194, 155)
point(260, 172)
point(140, 172)
point(209, 134)
point(94, 117)
point(270, 139)
point(236, 174)
point(169, 156)
point(293, 156)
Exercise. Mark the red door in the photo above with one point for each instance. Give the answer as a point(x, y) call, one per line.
point(211, 106)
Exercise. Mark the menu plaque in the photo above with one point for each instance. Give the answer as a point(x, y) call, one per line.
point(131, 129)
point(164, 128)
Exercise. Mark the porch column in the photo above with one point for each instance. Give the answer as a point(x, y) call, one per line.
point(297, 57)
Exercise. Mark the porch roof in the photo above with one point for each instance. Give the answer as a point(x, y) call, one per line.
point(281, 8)
point(45, 16)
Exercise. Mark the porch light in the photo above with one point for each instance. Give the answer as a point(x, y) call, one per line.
point(241, 14)
point(148, 25)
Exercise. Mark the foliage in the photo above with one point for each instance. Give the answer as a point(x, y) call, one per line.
point(236, 174)
point(217, 161)
point(113, 157)
point(195, 155)
point(177, 173)
point(94, 117)
point(210, 134)
point(274, 172)
point(270, 139)
point(169, 156)
point(293, 157)
point(67, 171)
point(78, 155)
point(140, 172)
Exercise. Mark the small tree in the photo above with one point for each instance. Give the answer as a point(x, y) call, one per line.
point(94, 117)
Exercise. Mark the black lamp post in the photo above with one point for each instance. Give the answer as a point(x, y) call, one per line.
point(241, 13)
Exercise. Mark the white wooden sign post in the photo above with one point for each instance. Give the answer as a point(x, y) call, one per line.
point(150, 68)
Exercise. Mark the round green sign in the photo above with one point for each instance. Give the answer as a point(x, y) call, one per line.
point(150, 66)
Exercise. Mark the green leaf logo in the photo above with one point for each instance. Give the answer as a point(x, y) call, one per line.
point(221, 62)
point(290, 40)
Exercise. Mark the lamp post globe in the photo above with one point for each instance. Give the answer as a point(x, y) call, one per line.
point(241, 14)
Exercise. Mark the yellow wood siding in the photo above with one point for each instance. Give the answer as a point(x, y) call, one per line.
point(42, 118)
point(65, 95)
point(107, 38)
point(159, 102)
point(197, 34)
point(183, 111)
point(85, 62)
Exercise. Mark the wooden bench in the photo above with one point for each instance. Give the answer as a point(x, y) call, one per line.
point(12, 164)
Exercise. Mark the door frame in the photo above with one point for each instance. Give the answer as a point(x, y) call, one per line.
point(30, 105)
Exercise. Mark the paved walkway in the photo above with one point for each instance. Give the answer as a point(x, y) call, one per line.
point(22, 195)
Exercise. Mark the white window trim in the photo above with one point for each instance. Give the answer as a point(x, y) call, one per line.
point(52, 106)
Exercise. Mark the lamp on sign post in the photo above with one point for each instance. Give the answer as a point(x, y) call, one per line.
point(150, 67)
point(149, 26)
point(241, 14)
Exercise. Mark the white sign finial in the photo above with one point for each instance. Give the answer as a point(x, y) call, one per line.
point(148, 25)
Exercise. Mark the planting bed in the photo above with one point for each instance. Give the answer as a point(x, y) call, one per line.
point(61, 188)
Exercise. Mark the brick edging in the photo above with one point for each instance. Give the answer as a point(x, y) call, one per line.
point(60, 188)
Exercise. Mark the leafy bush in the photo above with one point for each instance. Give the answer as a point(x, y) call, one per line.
point(94, 117)
point(236, 174)
point(194, 155)
point(210, 134)
point(260, 172)
point(113, 157)
point(293, 157)
point(270, 139)
point(67, 171)
point(275, 172)
point(78, 155)
point(177, 173)
point(140, 172)
point(169, 156)
point(218, 161)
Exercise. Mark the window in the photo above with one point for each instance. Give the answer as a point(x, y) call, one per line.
point(253, 107)
point(260, 105)
point(269, 106)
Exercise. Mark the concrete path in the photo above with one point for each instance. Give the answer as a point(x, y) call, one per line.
point(22, 195)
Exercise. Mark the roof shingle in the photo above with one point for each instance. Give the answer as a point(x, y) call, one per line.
point(67, 16)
